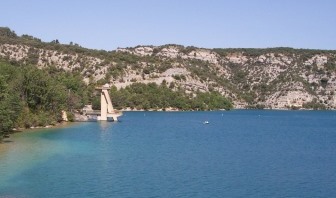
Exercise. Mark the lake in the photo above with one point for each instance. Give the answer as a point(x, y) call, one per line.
point(240, 153)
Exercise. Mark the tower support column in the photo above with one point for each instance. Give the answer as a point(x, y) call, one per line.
point(103, 106)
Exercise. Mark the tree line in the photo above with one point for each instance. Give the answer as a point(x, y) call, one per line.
point(153, 96)
point(34, 97)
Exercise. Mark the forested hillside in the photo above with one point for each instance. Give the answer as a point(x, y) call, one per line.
point(277, 78)
point(38, 79)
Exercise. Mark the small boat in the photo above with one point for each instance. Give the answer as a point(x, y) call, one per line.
point(206, 122)
point(6, 136)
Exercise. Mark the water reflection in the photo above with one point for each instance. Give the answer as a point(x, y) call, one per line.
point(104, 126)
point(105, 130)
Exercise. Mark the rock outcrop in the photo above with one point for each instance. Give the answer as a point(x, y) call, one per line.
point(277, 78)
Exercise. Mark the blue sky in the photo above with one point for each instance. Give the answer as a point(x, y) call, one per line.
point(108, 24)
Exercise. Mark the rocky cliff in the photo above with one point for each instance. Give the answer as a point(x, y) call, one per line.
point(277, 78)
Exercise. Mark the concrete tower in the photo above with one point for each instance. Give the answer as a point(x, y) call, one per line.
point(106, 107)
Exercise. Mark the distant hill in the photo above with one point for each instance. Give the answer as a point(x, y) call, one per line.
point(275, 78)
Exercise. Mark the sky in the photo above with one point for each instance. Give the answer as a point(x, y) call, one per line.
point(109, 24)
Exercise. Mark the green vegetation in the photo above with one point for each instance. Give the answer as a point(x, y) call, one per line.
point(315, 105)
point(8, 104)
point(153, 96)
point(34, 97)
point(253, 52)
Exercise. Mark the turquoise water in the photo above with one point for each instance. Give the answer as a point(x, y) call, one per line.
point(173, 154)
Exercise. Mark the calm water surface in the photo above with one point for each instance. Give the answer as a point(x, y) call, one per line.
point(166, 154)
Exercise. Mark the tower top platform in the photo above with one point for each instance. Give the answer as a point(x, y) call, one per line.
point(104, 87)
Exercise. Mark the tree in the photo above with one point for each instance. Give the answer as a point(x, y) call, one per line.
point(146, 96)
point(6, 32)
point(8, 107)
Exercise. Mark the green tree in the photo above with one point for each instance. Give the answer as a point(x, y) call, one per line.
point(8, 107)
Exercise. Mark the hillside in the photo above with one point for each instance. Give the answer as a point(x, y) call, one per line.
point(276, 78)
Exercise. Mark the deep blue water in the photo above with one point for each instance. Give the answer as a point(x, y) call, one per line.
point(173, 154)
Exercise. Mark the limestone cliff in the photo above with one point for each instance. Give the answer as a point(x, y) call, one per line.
point(277, 78)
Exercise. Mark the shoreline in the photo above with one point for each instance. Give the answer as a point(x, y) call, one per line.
point(179, 110)
point(168, 110)
point(9, 142)
point(58, 125)
point(67, 123)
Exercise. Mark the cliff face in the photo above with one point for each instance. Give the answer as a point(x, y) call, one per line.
point(277, 78)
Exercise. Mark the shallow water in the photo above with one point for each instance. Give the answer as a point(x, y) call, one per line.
point(173, 154)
